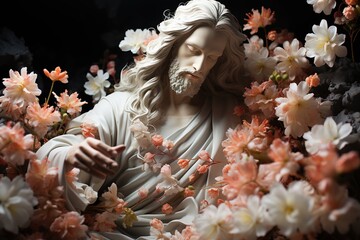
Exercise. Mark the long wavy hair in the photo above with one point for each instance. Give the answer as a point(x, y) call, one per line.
point(147, 79)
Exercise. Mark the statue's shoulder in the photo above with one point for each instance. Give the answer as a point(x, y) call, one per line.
point(118, 97)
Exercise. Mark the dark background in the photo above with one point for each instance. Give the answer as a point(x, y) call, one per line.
point(75, 34)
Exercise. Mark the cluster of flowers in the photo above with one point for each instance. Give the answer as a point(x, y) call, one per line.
point(32, 201)
point(287, 165)
point(284, 166)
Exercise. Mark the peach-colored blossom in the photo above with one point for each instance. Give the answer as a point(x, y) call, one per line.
point(46, 212)
point(203, 204)
point(239, 110)
point(94, 69)
point(183, 163)
point(69, 226)
point(321, 165)
point(168, 144)
point(313, 80)
point(202, 169)
point(239, 178)
point(21, 88)
point(10, 109)
point(57, 75)
point(72, 104)
point(351, 2)
point(157, 224)
point(272, 35)
point(41, 118)
point(166, 209)
point(110, 200)
point(170, 185)
point(257, 20)
point(189, 191)
point(350, 13)
point(347, 162)
point(15, 146)
point(89, 130)
point(204, 155)
point(72, 175)
point(192, 177)
point(143, 192)
point(105, 222)
point(213, 192)
point(157, 140)
point(262, 97)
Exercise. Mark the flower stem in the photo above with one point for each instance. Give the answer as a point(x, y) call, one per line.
point(51, 88)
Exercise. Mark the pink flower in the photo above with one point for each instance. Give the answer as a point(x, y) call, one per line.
point(71, 103)
point(350, 13)
point(169, 185)
point(168, 144)
point(41, 118)
point(239, 178)
point(57, 75)
point(202, 169)
point(41, 177)
point(351, 2)
point(94, 69)
point(255, 20)
point(15, 145)
point(157, 224)
point(71, 176)
point(238, 111)
point(89, 130)
point(189, 191)
point(166, 209)
point(183, 163)
point(299, 110)
point(105, 222)
point(10, 109)
point(21, 89)
point(204, 155)
point(157, 140)
point(69, 226)
point(110, 200)
point(347, 162)
point(143, 193)
point(313, 80)
point(213, 192)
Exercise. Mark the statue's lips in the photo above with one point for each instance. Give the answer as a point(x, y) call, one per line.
point(192, 76)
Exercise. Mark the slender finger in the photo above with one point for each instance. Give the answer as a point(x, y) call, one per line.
point(102, 147)
point(95, 159)
point(92, 163)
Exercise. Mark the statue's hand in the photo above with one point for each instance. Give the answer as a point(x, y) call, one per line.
point(94, 157)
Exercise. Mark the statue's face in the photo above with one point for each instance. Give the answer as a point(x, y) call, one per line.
point(195, 58)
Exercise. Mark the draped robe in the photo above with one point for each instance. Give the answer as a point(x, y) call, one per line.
point(204, 131)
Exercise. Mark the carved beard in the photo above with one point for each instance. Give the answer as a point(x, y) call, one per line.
point(179, 83)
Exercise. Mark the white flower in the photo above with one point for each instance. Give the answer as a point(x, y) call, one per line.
point(292, 59)
point(141, 133)
point(255, 45)
point(248, 221)
point(214, 223)
point(17, 203)
point(298, 110)
point(136, 40)
point(95, 86)
point(327, 133)
point(324, 44)
point(325, 6)
point(290, 209)
point(260, 65)
point(86, 192)
point(169, 185)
